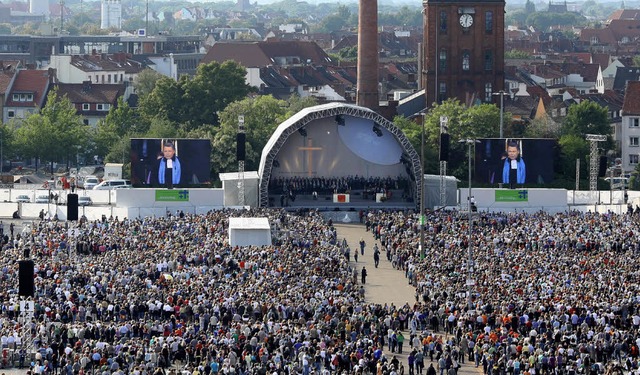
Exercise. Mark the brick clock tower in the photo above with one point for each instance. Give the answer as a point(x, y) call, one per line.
point(463, 50)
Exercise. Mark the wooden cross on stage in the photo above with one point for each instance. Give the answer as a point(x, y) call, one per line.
point(310, 148)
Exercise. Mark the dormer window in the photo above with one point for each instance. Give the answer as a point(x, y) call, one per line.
point(23, 97)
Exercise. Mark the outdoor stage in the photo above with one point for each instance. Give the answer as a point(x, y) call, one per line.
point(355, 202)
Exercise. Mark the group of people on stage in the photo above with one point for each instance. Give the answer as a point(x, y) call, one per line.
point(336, 185)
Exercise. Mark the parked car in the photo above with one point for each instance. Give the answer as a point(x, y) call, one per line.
point(84, 201)
point(42, 199)
point(89, 182)
point(112, 184)
point(23, 199)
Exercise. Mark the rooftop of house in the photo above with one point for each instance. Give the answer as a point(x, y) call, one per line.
point(260, 54)
point(88, 92)
point(34, 82)
point(105, 62)
point(631, 104)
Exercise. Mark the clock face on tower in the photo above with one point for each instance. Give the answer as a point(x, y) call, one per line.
point(466, 20)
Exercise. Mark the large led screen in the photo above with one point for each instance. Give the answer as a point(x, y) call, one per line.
point(515, 162)
point(170, 163)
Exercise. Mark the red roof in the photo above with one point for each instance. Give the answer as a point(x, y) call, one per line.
point(631, 104)
point(260, 54)
point(34, 82)
point(625, 14)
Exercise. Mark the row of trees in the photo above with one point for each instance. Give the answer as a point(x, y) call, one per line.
point(208, 105)
point(205, 106)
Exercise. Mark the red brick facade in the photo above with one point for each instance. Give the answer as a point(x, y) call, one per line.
point(463, 62)
point(367, 86)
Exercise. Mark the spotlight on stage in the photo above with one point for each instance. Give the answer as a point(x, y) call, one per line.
point(340, 120)
point(303, 132)
point(377, 130)
point(276, 164)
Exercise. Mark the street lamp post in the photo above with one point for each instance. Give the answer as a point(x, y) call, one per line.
point(421, 182)
point(502, 94)
point(470, 282)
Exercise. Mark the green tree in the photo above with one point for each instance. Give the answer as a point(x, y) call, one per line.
point(542, 128)
point(146, 81)
point(121, 122)
point(165, 101)
point(636, 60)
point(573, 147)
point(296, 104)
point(516, 54)
point(483, 121)
point(5, 29)
point(587, 117)
point(214, 87)
point(196, 102)
point(261, 117)
point(336, 21)
point(529, 7)
point(55, 133)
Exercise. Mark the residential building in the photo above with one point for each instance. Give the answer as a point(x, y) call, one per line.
point(92, 101)
point(27, 93)
point(630, 128)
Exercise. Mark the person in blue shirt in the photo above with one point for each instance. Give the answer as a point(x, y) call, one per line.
point(513, 169)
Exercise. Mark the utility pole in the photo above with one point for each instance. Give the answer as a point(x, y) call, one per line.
point(240, 156)
point(470, 282)
point(502, 94)
point(421, 182)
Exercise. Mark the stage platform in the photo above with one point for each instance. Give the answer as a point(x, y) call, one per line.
point(356, 202)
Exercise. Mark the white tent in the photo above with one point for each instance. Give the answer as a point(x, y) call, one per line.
point(249, 231)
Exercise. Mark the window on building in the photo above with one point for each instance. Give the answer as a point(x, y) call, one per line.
point(11, 114)
point(634, 141)
point(443, 22)
point(625, 39)
point(594, 40)
point(29, 97)
point(85, 106)
point(634, 122)
point(442, 92)
point(488, 22)
point(633, 158)
point(488, 91)
point(16, 97)
point(443, 60)
point(488, 60)
point(109, 78)
point(466, 63)
point(563, 111)
point(103, 107)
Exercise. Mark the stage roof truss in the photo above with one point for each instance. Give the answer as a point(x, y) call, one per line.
point(306, 116)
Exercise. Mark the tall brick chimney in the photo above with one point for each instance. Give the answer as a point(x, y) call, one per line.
point(367, 87)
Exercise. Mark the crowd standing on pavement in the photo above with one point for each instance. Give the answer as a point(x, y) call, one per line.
point(552, 294)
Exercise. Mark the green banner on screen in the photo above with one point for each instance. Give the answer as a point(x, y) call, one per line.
point(512, 195)
point(172, 195)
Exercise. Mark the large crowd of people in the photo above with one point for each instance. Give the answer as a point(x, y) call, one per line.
point(550, 294)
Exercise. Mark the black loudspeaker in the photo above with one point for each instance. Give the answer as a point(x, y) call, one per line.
point(72, 207)
point(240, 151)
point(602, 167)
point(25, 276)
point(444, 147)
